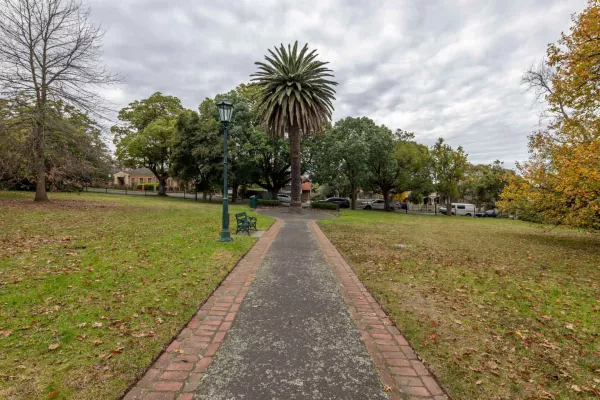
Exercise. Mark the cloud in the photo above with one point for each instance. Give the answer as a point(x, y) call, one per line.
point(437, 68)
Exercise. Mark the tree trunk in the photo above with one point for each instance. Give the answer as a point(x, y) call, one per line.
point(296, 204)
point(273, 194)
point(449, 208)
point(162, 187)
point(40, 164)
point(204, 195)
point(40, 183)
point(234, 192)
point(353, 196)
point(386, 200)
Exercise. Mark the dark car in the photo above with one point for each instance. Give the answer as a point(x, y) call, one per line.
point(493, 213)
point(344, 203)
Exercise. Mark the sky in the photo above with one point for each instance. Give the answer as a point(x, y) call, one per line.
point(448, 69)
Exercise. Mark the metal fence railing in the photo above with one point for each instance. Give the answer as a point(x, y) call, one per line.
point(184, 194)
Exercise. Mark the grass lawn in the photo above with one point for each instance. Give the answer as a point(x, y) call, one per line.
point(92, 286)
point(500, 309)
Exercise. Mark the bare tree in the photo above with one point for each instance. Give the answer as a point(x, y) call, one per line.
point(50, 52)
point(539, 80)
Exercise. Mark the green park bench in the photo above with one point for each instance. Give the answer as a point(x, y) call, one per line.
point(245, 223)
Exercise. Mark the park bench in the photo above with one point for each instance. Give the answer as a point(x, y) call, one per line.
point(245, 223)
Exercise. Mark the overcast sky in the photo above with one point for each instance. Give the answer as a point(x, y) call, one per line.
point(437, 68)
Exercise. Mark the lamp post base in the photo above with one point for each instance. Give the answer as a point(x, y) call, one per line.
point(225, 237)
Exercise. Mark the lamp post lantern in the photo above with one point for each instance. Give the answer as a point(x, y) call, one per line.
point(225, 110)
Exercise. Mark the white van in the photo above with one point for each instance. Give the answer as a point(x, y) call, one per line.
point(465, 209)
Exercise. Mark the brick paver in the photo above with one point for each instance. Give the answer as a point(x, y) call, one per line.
point(400, 368)
point(176, 374)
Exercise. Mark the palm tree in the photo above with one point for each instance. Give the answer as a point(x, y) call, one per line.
point(295, 97)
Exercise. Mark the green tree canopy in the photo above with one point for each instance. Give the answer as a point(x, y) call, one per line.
point(448, 169)
point(75, 152)
point(343, 154)
point(197, 151)
point(383, 165)
point(146, 135)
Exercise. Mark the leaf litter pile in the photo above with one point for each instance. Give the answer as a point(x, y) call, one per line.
point(93, 286)
point(499, 309)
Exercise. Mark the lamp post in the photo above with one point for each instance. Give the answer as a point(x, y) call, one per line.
point(225, 110)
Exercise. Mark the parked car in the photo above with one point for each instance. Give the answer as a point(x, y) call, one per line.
point(468, 210)
point(493, 213)
point(343, 203)
point(376, 205)
point(284, 198)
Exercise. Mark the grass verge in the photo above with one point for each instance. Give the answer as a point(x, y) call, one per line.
point(92, 287)
point(499, 309)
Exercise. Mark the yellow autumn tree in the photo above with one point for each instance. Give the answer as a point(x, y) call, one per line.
point(560, 183)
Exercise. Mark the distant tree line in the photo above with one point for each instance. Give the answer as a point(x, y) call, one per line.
point(356, 153)
point(159, 134)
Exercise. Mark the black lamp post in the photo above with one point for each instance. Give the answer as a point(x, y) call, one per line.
point(225, 110)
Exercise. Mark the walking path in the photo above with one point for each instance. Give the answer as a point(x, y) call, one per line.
point(300, 326)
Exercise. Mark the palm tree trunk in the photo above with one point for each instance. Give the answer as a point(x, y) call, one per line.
point(296, 204)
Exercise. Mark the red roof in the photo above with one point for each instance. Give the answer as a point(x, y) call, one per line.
point(306, 186)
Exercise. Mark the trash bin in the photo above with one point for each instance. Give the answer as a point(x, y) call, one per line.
point(253, 202)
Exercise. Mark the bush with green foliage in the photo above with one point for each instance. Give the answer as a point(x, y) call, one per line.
point(145, 186)
point(274, 203)
point(325, 206)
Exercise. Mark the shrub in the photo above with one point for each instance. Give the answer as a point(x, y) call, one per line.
point(146, 186)
point(325, 206)
point(262, 202)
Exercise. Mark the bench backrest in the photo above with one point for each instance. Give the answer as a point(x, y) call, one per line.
point(241, 217)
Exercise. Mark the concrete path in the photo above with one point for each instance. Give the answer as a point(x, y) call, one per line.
point(293, 336)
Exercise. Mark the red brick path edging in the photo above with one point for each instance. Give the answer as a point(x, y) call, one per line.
point(402, 373)
point(176, 374)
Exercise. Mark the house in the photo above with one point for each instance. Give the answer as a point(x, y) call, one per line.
point(133, 177)
point(306, 190)
point(428, 204)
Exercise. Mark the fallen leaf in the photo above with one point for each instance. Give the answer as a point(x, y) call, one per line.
point(576, 388)
point(5, 333)
point(53, 395)
point(97, 325)
point(54, 346)
point(571, 328)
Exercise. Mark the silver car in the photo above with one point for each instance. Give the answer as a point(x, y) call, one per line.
point(284, 198)
point(376, 205)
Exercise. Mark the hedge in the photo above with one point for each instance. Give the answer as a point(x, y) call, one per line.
point(262, 202)
point(146, 186)
point(325, 206)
